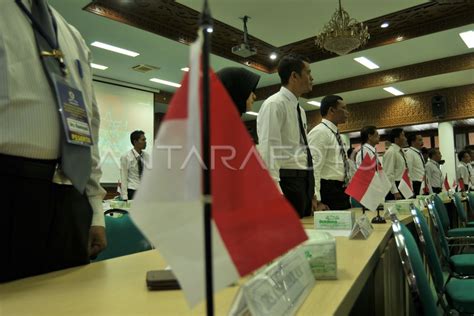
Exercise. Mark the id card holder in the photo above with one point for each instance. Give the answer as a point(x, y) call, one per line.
point(73, 113)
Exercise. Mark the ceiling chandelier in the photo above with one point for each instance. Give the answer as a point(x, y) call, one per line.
point(342, 33)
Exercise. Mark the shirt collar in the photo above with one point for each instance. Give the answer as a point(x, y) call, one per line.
point(397, 148)
point(330, 125)
point(369, 146)
point(413, 148)
point(135, 153)
point(435, 162)
point(289, 95)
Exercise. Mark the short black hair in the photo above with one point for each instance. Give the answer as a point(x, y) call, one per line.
point(424, 150)
point(135, 135)
point(394, 133)
point(365, 132)
point(328, 102)
point(462, 153)
point(432, 152)
point(288, 64)
point(412, 137)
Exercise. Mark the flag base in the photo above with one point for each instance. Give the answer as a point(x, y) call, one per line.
point(378, 219)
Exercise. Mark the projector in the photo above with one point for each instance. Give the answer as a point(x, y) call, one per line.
point(244, 50)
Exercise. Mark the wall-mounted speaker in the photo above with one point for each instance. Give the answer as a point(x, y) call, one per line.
point(438, 105)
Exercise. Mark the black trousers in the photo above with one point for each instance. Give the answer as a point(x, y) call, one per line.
point(298, 188)
point(332, 194)
point(416, 187)
point(130, 194)
point(436, 190)
point(390, 196)
point(44, 226)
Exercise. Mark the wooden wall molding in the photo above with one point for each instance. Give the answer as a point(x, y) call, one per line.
point(405, 110)
point(175, 21)
point(380, 78)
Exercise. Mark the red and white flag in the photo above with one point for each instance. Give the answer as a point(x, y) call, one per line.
point(405, 187)
point(446, 186)
point(425, 187)
point(455, 185)
point(368, 186)
point(252, 223)
point(461, 185)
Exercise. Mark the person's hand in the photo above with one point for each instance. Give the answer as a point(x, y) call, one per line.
point(318, 206)
point(97, 240)
point(398, 196)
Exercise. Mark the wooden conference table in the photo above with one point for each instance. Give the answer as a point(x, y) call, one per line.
point(367, 270)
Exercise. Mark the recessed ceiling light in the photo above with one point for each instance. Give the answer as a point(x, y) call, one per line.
point(384, 25)
point(252, 113)
point(366, 62)
point(185, 69)
point(165, 82)
point(97, 66)
point(316, 103)
point(393, 91)
point(115, 49)
point(273, 56)
point(210, 29)
point(468, 38)
point(399, 38)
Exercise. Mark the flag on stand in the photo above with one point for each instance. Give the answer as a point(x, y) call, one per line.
point(405, 187)
point(119, 187)
point(461, 185)
point(455, 185)
point(446, 186)
point(252, 223)
point(368, 186)
point(425, 187)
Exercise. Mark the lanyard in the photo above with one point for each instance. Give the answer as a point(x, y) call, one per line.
point(52, 42)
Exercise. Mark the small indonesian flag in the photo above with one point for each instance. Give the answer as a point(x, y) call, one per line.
point(405, 187)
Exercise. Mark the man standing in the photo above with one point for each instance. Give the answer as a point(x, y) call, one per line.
point(52, 216)
point(434, 176)
point(415, 161)
point(369, 137)
point(132, 164)
point(281, 129)
point(464, 173)
point(331, 169)
point(394, 162)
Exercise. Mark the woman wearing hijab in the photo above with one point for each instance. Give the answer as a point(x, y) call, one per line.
point(240, 83)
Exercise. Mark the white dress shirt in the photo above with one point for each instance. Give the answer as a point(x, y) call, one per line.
point(464, 173)
point(279, 136)
point(29, 121)
point(129, 173)
point(365, 149)
point(393, 165)
point(416, 164)
point(328, 161)
point(434, 174)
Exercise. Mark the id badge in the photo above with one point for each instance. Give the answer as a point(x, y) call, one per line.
point(73, 113)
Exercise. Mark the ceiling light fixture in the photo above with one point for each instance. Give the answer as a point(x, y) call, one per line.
point(115, 49)
point(342, 34)
point(165, 82)
point(468, 38)
point(393, 91)
point(366, 62)
point(210, 29)
point(316, 103)
point(97, 66)
point(186, 69)
point(273, 56)
point(384, 25)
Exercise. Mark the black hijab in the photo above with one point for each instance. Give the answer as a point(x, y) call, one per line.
point(239, 82)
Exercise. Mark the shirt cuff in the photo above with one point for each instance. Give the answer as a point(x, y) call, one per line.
point(317, 195)
point(97, 211)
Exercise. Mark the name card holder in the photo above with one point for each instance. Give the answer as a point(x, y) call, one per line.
point(362, 228)
point(279, 289)
point(337, 223)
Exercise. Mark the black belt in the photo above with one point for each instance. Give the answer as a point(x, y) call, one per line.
point(333, 181)
point(27, 167)
point(294, 173)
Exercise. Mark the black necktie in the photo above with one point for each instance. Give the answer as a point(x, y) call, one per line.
point(344, 157)
point(140, 165)
point(75, 160)
point(305, 140)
